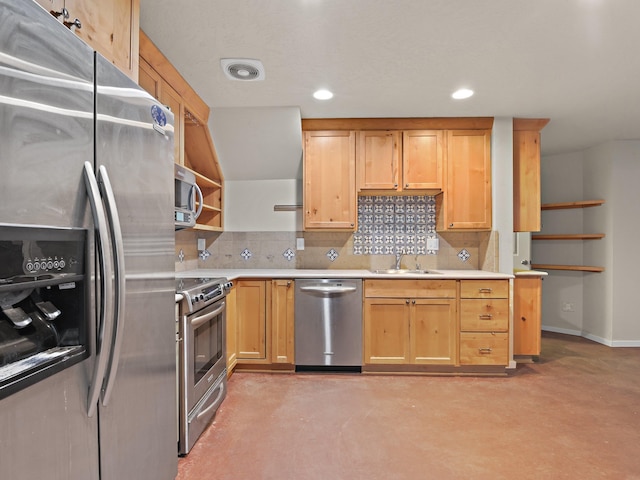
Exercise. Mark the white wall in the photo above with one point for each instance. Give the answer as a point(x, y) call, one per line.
point(605, 308)
point(502, 184)
point(562, 291)
point(248, 206)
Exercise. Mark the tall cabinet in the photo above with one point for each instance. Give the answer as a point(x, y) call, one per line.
point(111, 27)
point(193, 144)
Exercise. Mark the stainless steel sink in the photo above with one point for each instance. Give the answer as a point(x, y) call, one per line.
point(403, 271)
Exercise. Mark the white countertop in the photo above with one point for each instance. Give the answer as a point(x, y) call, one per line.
point(529, 273)
point(324, 273)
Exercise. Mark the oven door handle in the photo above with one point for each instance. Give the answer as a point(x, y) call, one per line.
point(118, 299)
point(197, 321)
point(104, 327)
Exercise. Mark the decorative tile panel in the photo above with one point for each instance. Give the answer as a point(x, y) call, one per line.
point(289, 254)
point(246, 254)
point(389, 224)
point(464, 255)
point(332, 254)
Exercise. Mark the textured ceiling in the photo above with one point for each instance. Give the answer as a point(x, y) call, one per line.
point(573, 61)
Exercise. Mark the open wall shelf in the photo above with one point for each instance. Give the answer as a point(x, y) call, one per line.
point(569, 236)
point(576, 268)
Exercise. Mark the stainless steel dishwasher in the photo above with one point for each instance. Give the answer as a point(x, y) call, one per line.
point(328, 324)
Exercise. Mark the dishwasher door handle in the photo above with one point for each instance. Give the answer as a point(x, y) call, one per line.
point(327, 289)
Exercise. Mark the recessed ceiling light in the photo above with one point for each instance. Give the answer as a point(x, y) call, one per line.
point(322, 94)
point(462, 93)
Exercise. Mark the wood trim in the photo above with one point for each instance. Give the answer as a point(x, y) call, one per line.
point(565, 205)
point(529, 124)
point(437, 123)
point(170, 74)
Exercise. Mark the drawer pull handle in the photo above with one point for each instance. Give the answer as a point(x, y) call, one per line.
point(485, 316)
point(485, 290)
point(484, 350)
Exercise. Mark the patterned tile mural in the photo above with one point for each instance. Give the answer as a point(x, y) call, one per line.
point(395, 224)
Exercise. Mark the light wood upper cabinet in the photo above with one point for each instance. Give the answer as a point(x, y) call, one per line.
point(422, 159)
point(398, 161)
point(526, 174)
point(193, 144)
point(378, 160)
point(467, 197)
point(110, 27)
point(329, 180)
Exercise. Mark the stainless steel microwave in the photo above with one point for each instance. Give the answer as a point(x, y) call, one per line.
point(188, 198)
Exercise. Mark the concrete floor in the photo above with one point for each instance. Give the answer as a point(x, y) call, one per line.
point(574, 415)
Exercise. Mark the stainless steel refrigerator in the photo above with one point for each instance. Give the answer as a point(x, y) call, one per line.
point(74, 130)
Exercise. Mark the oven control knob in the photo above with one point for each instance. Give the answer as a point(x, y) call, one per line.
point(201, 296)
point(196, 299)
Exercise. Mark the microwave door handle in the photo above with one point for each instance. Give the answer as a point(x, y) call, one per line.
point(119, 272)
point(196, 189)
point(105, 331)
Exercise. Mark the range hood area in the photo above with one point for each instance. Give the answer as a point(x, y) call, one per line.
point(261, 143)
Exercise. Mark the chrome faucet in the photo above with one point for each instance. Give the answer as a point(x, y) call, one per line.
point(398, 260)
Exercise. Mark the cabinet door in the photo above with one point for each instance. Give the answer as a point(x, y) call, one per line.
point(329, 180)
point(386, 331)
point(378, 160)
point(422, 159)
point(110, 27)
point(149, 79)
point(526, 181)
point(433, 331)
point(172, 99)
point(252, 320)
point(232, 330)
point(527, 312)
point(468, 192)
point(282, 321)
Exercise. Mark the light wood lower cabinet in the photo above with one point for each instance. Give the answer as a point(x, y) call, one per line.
point(232, 330)
point(262, 316)
point(253, 320)
point(410, 322)
point(484, 322)
point(282, 324)
point(527, 315)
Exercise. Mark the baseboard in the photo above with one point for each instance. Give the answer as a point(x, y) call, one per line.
point(595, 338)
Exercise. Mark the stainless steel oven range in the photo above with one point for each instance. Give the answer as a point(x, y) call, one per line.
point(202, 372)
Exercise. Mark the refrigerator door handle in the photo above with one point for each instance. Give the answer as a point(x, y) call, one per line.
point(118, 299)
point(104, 330)
point(197, 190)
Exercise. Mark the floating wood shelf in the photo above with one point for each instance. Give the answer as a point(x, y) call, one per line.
point(565, 205)
point(578, 268)
point(567, 236)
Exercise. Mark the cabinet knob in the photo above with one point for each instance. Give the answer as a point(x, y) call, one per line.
point(451, 225)
point(288, 283)
point(523, 319)
point(406, 185)
point(395, 185)
point(413, 301)
point(406, 301)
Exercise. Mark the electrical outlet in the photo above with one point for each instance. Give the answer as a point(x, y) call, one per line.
point(433, 244)
point(202, 244)
point(300, 243)
point(567, 307)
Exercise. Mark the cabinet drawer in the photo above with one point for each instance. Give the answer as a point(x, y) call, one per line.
point(410, 288)
point(484, 348)
point(484, 289)
point(484, 315)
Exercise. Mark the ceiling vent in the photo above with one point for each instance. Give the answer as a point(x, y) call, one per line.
point(243, 69)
